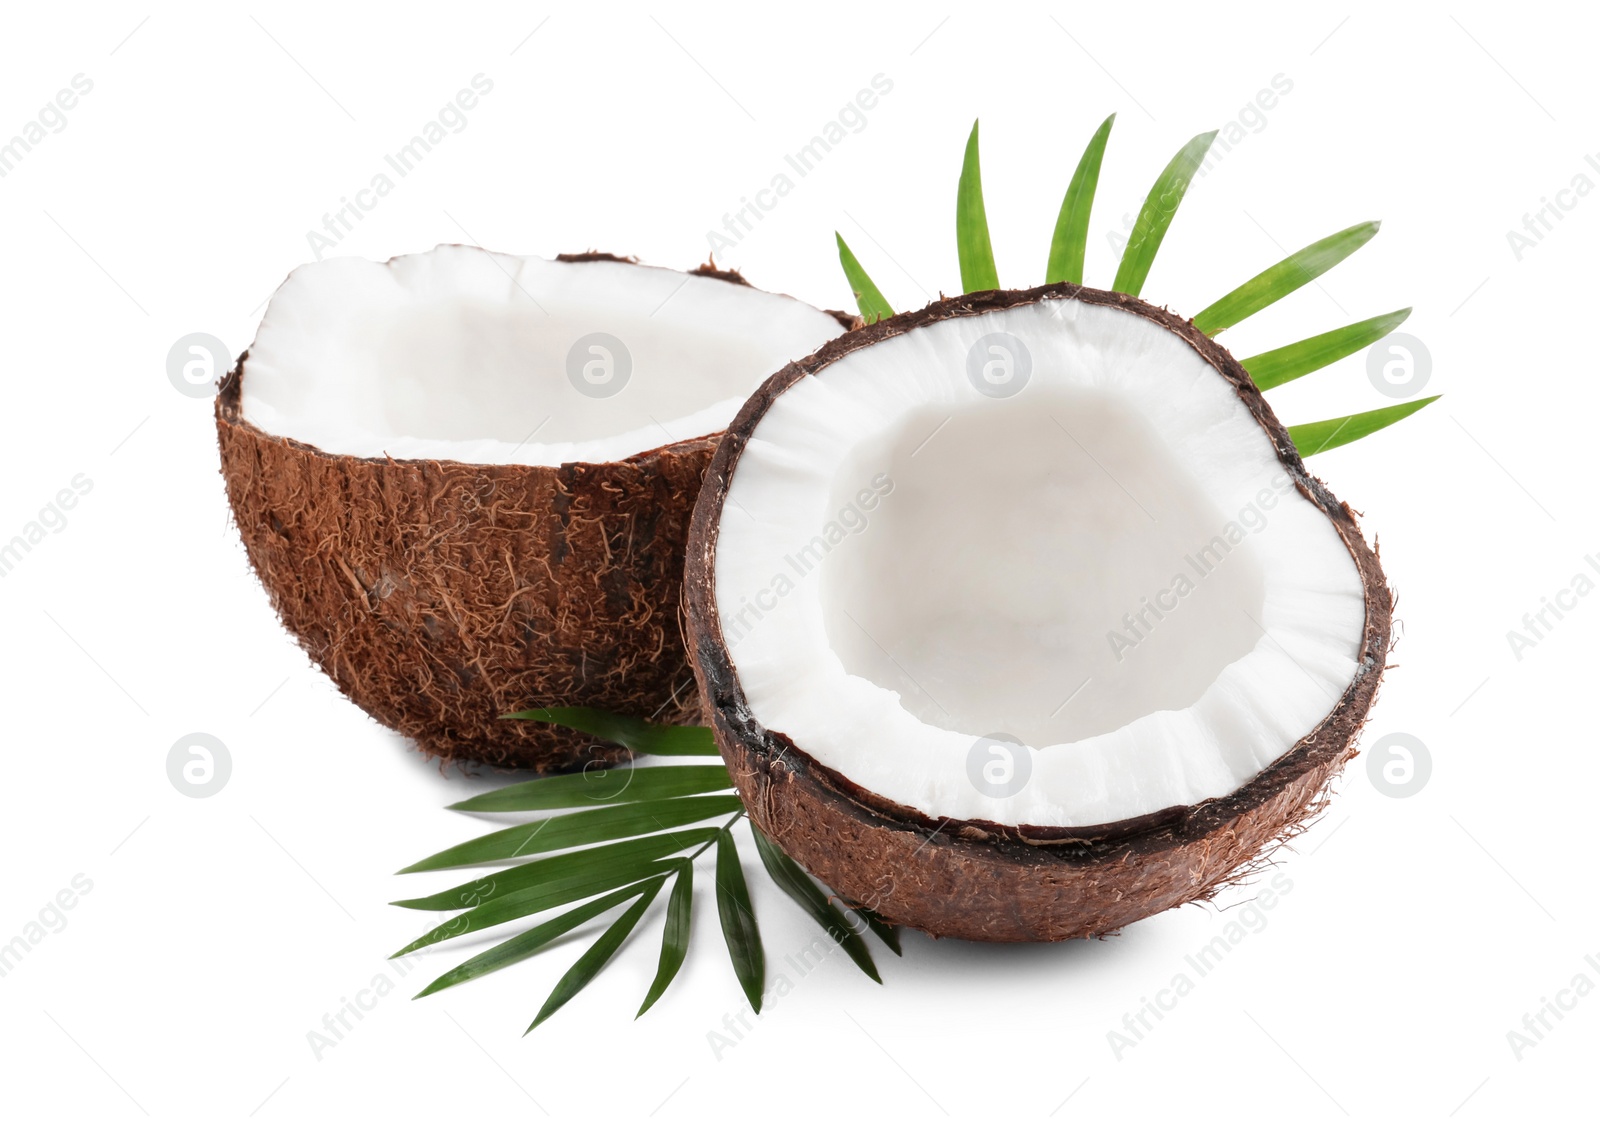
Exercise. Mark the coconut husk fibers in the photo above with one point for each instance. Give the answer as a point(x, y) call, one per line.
point(439, 595)
point(979, 880)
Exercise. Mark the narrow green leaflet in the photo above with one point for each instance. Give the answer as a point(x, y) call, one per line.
point(560, 867)
point(739, 922)
point(626, 783)
point(626, 839)
point(874, 307)
point(586, 827)
point(1156, 215)
point(972, 225)
point(804, 891)
point(1275, 367)
point(520, 946)
point(1072, 224)
point(637, 735)
point(587, 967)
point(539, 898)
point(889, 933)
point(674, 936)
point(1282, 278)
point(1320, 436)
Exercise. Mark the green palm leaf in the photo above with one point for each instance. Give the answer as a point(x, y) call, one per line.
point(674, 936)
point(604, 823)
point(1320, 436)
point(1275, 367)
point(587, 967)
point(739, 922)
point(1282, 278)
point(881, 928)
point(1071, 237)
point(601, 788)
point(972, 225)
point(519, 947)
point(644, 850)
point(639, 736)
point(1155, 217)
point(561, 867)
point(538, 898)
point(804, 891)
point(873, 306)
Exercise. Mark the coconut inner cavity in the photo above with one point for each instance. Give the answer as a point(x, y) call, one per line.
point(1016, 539)
point(469, 355)
point(1107, 567)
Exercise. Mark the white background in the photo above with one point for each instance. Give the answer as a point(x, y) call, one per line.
point(218, 932)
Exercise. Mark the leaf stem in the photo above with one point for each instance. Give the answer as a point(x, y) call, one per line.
point(708, 844)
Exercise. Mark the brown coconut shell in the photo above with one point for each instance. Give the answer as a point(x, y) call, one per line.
point(976, 879)
point(439, 595)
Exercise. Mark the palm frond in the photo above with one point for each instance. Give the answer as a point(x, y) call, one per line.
point(739, 922)
point(674, 935)
point(606, 787)
point(972, 225)
point(599, 953)
point(1275, 367)
point(869, 300)
point(1071, 237)
point(792, 879)
point(1155, 217)
point(1321, 436)
point(624, 820)
point(1282, 278)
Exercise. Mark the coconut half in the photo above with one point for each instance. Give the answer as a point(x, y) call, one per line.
point(1020, 618)
point(465, 479)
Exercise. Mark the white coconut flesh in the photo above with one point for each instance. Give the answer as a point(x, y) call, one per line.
point(463, 354)
point(1110, 567)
